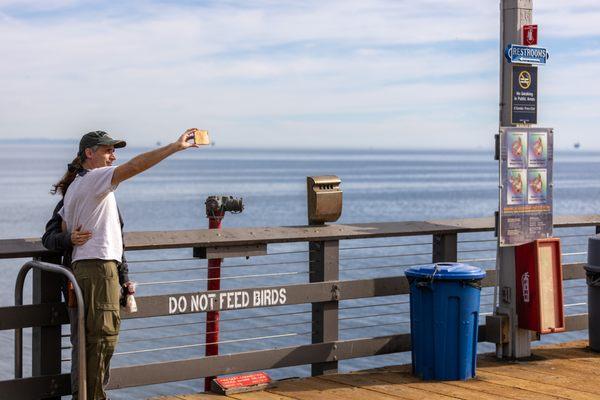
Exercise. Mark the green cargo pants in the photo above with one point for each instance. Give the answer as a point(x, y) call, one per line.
point(99, 283)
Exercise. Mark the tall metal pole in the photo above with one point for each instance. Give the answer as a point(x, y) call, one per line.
point(213, 283)
point(513, 15)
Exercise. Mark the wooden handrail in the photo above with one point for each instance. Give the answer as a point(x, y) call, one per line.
point(54, 314)
point(153, 240)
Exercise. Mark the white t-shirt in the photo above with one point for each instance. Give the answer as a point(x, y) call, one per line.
point(90, 203)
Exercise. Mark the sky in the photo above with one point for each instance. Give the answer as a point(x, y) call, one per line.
point(276, 73)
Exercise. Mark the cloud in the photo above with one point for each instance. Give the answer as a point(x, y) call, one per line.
point(273, 69)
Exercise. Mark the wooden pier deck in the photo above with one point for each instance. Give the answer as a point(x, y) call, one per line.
point(562, 371)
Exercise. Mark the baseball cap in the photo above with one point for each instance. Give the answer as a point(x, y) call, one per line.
point(98, 138)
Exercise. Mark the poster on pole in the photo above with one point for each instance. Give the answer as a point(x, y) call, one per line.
point(526, 156)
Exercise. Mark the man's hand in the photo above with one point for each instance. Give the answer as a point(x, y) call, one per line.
point(149, 159)
point(127, 289)
point(183, 142)
point(79, 237)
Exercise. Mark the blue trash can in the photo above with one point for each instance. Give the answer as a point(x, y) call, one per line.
point(444, 315)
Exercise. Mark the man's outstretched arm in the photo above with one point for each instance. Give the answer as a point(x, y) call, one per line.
point(142, 162)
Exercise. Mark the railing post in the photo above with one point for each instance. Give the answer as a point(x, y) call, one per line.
point(324, 266)
point(46, 340)
point(445, 248)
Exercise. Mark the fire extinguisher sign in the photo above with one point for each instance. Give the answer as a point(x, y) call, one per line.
point(530, 35)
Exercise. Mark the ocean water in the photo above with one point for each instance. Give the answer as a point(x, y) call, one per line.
point(378, 185)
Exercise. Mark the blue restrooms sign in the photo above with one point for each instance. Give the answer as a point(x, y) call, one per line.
point(526, 54)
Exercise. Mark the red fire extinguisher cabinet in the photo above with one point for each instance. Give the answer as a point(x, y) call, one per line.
point(539, 286)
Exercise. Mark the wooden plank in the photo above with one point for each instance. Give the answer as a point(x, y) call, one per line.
point(537, 373)
point(37, 387)
point(309, 389)
point(576, 322)
point(583, 358)
point(492, 388)
point(444, 248)
point(170, 371)
point(262, 395)
point(32, 247)
point(407, 379)
point(285, 234)
point(403, 369)
point(538, 387)
point(370, 381)
point(568, 350)
point(153, 306)
point(563, 372)
point(230, 251)
point(22, 248)
point(325, 266)
point(500, 391)
point(573, 221)
point(563, 367)
point(49, 314)
point(45, 314)
point(586, 363)
point(577, 357)
point(201, 396)
point(573, 271)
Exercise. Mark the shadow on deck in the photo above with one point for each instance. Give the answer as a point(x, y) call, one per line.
point(560, 371)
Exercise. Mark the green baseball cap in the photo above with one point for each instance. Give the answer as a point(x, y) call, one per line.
point(98, 138)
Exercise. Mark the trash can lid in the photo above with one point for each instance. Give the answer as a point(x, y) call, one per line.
point(446, 271)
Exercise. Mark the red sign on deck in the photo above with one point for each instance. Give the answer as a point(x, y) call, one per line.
point(240, 383)
point(530, 35)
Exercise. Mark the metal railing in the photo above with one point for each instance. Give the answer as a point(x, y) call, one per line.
point(368, 256)
point(20, 282)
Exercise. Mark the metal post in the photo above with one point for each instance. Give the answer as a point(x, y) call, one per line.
point(213, 283)
point(513, 15)
point(46, 340)
point(324, 266)
point(444, 248)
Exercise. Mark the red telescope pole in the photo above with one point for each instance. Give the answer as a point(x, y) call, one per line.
point(216, 206)
point(214, 283)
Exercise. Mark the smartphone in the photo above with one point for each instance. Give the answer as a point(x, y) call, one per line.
point(201, 137)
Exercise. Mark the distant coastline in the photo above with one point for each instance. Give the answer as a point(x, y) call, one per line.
point(37, 141)
point(367, 149)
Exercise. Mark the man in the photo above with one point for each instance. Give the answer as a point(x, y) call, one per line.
point(62, 242)
point(90, 205)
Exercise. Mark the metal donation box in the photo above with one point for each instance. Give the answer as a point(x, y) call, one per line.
point(539, 286)
point(324, 199)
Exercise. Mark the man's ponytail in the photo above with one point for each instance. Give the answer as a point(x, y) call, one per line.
point(72, 170)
